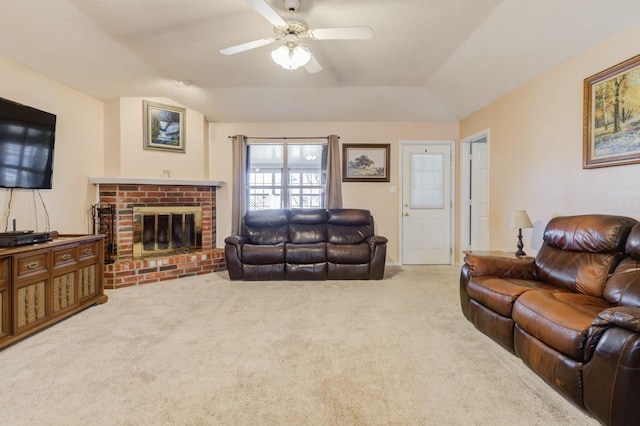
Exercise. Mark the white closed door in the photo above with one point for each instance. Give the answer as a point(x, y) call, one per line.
point(426, 204)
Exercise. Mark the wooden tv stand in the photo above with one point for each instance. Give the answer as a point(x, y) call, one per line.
point(41, 284)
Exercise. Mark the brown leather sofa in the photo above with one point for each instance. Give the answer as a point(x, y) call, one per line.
point(572, 314)
point(306, 244)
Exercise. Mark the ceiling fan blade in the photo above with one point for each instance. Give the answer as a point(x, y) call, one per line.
point(344, 33)
point(313, 66)
point(247, 46)
point(269, 14)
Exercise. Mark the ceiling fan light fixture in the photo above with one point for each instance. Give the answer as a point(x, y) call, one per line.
point(291, 56)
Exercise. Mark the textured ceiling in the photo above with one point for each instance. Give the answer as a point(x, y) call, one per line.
point(429, 60)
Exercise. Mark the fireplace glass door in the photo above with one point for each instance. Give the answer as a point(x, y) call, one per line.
point(162, 230)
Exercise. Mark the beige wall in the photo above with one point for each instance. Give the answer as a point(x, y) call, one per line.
point(376, 197)
point(535, 149)
point(77, 155)
point(135, 161)
point(535, 152)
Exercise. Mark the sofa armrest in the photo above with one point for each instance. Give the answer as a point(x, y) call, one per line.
point(378, 255)
point(501, 266)
point(237, 240)
point(623, 316)
point(233, 255)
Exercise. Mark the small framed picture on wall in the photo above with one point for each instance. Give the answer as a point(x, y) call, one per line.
point(365, 162)
point(164, 127)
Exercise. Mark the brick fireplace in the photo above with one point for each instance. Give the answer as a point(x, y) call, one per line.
point(166, 197)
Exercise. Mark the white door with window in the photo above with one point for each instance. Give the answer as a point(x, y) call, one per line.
point(427, 208)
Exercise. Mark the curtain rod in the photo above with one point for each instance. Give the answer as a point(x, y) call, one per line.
point(285, 137)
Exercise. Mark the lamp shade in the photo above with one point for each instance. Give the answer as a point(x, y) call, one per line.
point(291, 56)
point(520, 219)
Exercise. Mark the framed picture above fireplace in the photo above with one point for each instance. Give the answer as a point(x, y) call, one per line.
point(164, 127)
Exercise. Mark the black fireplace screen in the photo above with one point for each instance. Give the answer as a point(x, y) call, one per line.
point(165, 230)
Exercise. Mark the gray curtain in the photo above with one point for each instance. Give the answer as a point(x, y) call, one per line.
point(333, 192)
point(238, 198)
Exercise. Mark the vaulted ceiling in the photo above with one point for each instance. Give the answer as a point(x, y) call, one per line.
point(429, 60)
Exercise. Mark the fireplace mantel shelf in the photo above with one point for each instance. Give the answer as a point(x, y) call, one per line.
point(154, 181)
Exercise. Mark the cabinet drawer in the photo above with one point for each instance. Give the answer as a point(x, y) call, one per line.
point(64, 257)
point(31, 264)
point(88, 251)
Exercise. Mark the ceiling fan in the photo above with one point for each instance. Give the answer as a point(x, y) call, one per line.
point(293, 53)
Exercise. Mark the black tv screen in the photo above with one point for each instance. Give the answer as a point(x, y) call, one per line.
point(27, 137)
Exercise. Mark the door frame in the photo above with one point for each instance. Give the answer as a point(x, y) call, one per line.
point(465, 185)
point(453, 174)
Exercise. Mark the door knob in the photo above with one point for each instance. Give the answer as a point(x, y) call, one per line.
point(406, 213)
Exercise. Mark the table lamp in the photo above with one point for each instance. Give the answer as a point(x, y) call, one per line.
point(520, 219)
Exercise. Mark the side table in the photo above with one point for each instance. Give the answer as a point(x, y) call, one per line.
point(496, 253)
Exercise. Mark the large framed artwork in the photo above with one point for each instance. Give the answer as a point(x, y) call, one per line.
point(365, 162)
point(164, 127)
point(611, 134)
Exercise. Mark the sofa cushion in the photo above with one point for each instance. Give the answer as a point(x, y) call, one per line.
point(258, 254)
point(348, 253)
point(623, 287)
point(308, 216)
point(499, 294)
point(348, 226)
point(302, 233)
point(581, 272)
point(267, 226)
point(307, 226)
point(306, 253)
point(349, 217)
point(591, 233)
point(579, 252)
point(561, 320)
point(632, 246)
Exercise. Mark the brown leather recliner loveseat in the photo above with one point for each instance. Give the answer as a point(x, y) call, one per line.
point(306, 244)
point(572, 314)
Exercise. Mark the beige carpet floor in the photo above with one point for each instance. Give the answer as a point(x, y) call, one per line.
point(209, 351)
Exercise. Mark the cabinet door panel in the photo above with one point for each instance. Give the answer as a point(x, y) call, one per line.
point(88, 281)
point(30, 306)
point(64, 292)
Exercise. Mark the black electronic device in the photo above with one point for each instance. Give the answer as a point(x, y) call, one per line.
point(22, 238)
point(27, 137)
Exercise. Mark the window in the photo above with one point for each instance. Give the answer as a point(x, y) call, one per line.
point(286, 175)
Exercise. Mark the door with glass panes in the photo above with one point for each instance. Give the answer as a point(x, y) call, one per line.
point(426, 204)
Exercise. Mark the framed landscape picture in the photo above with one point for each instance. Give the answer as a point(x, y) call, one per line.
point(611, 134)
point(164, 127)
point(365, 162)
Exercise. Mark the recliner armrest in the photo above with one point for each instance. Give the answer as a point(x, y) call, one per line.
point(623, 316)
point(237, 240)
point(501, 266)
point(374, 241)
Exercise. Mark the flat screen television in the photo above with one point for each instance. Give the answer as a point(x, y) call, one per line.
point(27, 138)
